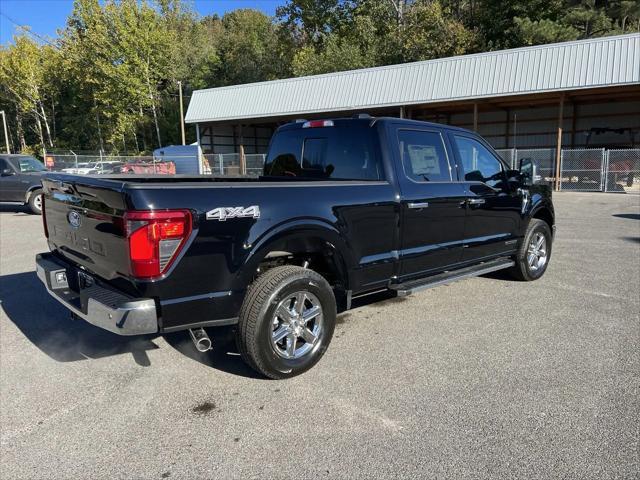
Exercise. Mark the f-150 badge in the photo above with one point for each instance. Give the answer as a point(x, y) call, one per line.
point(223, 213)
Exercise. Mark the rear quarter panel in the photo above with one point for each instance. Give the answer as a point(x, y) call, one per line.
point(358, 218)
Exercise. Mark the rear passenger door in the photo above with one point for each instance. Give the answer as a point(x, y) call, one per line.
point(432, 220)
point(492, 205)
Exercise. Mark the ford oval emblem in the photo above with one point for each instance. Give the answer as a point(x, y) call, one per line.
point(74, 219)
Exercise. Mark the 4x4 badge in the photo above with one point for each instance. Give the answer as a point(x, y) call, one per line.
point(223, 213)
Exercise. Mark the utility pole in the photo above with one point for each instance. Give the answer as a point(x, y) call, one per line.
point(6, 135)
point(181, 113)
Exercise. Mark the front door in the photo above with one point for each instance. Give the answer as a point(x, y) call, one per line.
point(492, 205)
point(11, 187)
point(432, 220)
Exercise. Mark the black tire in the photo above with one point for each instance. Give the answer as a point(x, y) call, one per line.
point(522, 270)
point(258, 314)
point(35, 202)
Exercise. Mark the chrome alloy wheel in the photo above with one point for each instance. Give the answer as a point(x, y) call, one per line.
point(297, 325)
point(37, 201)
point(537, 252)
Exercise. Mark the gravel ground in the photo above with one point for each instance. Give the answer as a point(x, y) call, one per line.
point(485, 378)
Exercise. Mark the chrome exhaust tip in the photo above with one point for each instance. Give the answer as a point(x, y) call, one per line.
point(200, 339)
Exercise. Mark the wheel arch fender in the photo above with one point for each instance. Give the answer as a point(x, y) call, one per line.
point(30, 190)
point(542, 208)
point(299, 236)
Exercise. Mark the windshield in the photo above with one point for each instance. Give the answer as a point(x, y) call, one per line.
point(30, 164)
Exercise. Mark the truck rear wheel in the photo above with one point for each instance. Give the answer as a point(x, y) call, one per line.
point(286, 321)
point(534, 253)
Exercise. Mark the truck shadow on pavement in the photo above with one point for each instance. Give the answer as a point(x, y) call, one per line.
point(628, 216)
point(48, 325)
point(18, 210)
point(223, 356)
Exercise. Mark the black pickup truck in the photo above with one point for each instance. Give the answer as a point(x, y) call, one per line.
point(344, 208)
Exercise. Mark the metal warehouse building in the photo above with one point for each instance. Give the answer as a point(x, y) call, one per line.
point(581, 94)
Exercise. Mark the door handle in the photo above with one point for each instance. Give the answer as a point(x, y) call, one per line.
point(418, 205)
point(475, 201)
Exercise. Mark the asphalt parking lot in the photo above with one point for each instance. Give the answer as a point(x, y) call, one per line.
point(485, 378)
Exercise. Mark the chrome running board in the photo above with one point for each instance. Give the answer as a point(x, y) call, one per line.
point(445, 278)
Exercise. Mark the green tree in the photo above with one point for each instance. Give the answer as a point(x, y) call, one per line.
point(24, 81)
point(248, 48)
point(430, 31)
point(110, 78)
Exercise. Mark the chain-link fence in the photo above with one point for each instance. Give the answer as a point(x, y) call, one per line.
point(507, 154)
point(622, 172)
point(230, 164)
point(583, 170)
point(588, 170)
point(544, 158)
point(212, 164)
point(105, 164)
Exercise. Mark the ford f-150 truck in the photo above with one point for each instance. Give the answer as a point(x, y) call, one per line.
point(345, 207)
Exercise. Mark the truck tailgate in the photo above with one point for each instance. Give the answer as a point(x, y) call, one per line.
point(84, 220)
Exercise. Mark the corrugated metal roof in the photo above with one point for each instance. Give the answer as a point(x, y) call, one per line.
point(590, 63)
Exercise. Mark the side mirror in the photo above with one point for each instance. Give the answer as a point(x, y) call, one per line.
point(528, 171)
point(7, 172)
point(514, 176)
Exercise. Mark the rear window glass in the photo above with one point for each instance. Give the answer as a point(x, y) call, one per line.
point(283, 158)
point(336, 153)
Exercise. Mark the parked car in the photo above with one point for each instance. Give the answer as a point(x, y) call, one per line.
point(188, 159)
point(161, 168)
point(345, 207)
point(20, 177)
point(94, 168)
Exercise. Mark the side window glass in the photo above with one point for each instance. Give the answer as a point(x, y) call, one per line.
point(352, 154)
point(284, 155)
point(479, 164)
point(423, 155)
point(3, 164)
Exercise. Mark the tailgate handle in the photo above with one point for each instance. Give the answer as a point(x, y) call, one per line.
point(62, 187)
point(418, 205)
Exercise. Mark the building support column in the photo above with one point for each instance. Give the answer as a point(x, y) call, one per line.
point(559, 140)
point(243, 161)
point(198, 133)
point(574, 114)
point(507, 124)
point(475, 117)
point(401, 112)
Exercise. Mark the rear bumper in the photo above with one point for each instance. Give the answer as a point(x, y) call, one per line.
point(99, 305)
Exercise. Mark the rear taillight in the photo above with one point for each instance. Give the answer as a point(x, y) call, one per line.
point(318, 124)
point(155, 239)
